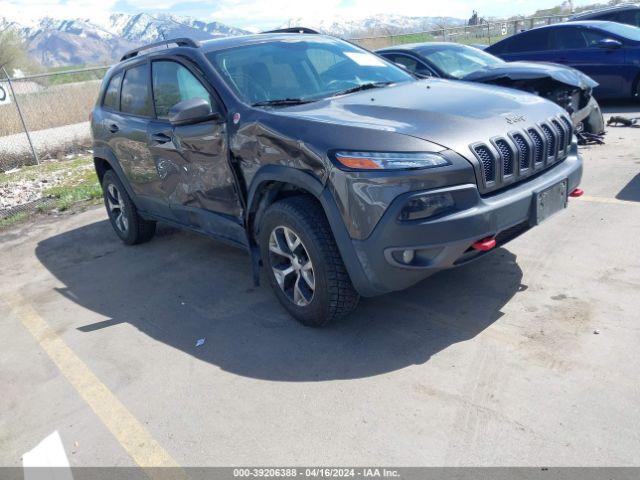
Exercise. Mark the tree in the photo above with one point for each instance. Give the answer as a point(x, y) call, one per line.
point(13, 51)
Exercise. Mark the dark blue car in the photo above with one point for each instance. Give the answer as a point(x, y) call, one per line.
point(629, 14)
point(608, 52)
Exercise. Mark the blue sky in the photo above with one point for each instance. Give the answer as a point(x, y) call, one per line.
point(261, 14)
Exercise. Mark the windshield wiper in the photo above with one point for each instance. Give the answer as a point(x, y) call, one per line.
point(360, 88)
point(281, 102)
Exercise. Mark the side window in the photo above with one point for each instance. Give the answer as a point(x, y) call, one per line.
point(408, 62)
point(568, 39)
point(135, 98)
point(630, 17)
point(531, 41)
point(111, 94)
point(500, 47)
point(609, 17)
point(172, 84)
point(592, 37)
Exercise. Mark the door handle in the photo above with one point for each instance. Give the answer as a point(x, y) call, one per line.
point(161, 138)
point(113, 128)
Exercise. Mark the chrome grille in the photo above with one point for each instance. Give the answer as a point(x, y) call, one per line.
point(538, 146)
point(507, 157)
point(505, 160)
point(488, 163)
point(551, 140)
point(562, 135)
point(569, 129)
point(523, 151)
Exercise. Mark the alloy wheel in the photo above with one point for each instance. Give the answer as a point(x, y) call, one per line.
point(291, 265)
point(116, 208)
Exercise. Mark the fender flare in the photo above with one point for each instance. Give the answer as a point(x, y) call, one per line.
point(279, 173)
point(306, 181)
point(105, 154)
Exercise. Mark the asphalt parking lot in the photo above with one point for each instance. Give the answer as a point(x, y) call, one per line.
point(527, 357)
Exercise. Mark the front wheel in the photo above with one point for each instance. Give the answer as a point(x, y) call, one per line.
point(303, 262)
point(123, 215)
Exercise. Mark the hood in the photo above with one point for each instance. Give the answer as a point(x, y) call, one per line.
point(516, 71)
point(451, 114)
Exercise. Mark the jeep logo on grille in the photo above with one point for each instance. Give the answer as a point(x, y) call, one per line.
point(511, 119)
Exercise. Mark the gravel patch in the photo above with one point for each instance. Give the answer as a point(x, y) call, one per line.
point(24, 191)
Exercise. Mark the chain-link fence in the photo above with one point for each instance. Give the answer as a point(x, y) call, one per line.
point(482, 33)
point(53, 108)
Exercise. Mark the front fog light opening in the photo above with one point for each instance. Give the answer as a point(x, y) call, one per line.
point(426, 206)
point(408, 256)
point(404, 257)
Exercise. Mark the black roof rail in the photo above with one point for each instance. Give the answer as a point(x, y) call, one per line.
point(181, 42)
point(294, 30)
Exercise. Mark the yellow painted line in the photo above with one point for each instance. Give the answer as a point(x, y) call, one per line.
point(614, 201)
point(129, 432)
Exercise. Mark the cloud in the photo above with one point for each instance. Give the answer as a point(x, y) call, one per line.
point(267, 13)
point(271, 13)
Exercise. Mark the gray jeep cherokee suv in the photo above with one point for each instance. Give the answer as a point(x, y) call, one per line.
point(336, 170)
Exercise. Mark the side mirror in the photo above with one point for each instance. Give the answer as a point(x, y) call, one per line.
point(609, 43)
point(189, 111)
point(423, 74)
point(403, 67)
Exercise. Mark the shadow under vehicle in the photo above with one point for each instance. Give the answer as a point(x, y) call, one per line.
point(184, 286)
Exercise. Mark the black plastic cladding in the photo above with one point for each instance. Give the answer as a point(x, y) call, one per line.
point(539, 147)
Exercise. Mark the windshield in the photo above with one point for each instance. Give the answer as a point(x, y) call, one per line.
point(622, 30)
point(302, 69)
point(458, 61)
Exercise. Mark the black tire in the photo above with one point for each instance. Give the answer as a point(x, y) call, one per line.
point(333, 295)
point(125, 220)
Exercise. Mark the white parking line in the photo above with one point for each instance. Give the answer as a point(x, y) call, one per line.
point(47, 460)
point(127, 429)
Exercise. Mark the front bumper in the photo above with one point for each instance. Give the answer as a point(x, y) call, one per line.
point(445, 242)
point(590, 117)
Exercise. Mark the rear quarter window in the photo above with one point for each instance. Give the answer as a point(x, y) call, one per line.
point(531, 41)
point(111, 97)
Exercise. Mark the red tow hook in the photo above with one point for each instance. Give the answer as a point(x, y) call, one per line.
point(576, 192)
point(485, 244)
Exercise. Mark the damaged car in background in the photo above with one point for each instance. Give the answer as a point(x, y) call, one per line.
point(569, 88)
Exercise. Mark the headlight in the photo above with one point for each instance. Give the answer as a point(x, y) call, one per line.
point(389, 160)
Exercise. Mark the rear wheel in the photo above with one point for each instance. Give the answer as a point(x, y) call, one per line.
point(303, 263)
point(123, 215)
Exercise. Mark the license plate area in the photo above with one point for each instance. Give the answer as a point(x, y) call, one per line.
point(549, 201)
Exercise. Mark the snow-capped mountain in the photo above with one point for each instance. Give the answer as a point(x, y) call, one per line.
point(373, 25)
point(78, 41)
point(144, 28)
point(54, 42)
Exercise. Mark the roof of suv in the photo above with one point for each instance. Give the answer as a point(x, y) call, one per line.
point(216, 44)
point(230, 42)
point(604, 10)
point(584, 23)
